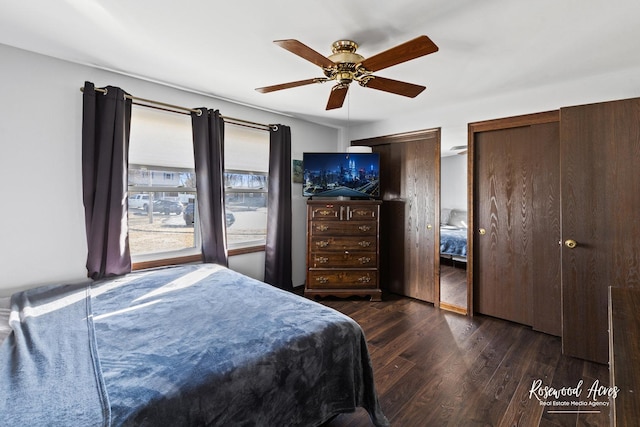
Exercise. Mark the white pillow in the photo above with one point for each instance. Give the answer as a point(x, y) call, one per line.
point(458, 218)
point(5, 310)
point(444, 216)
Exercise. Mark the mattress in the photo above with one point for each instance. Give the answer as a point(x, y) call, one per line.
point(189, 345)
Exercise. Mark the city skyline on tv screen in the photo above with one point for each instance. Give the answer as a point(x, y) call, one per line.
point(355, 175)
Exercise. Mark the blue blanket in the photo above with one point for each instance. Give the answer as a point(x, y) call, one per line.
point(453, 241)
point(190, 345)
point(49, 373)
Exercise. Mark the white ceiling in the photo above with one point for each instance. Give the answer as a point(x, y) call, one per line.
point(516, 50)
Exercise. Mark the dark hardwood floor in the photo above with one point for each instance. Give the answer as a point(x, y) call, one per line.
point(437, 368)
point(453, 282)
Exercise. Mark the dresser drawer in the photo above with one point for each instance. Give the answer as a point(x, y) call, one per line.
point(346, 259)
point(341, 212)
point(329, 211)
point(357, 213)
point(344, 243)
point(343, 228)
point(326, 279)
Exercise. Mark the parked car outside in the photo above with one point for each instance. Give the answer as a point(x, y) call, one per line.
point(139, 201)
point(229, 219)
point(167, 207)
point(188, 216)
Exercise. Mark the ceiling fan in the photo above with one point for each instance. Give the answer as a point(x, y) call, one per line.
point(345, 66)
point(461, 149)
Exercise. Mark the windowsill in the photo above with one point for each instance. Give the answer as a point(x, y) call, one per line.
point(163, 262)
point(246, 250)
point(187, 259)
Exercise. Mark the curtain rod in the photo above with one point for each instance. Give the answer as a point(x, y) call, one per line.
point(184, 110)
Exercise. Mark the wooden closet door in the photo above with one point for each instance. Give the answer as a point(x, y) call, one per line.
point(600, 152)
point(421, 226)
point(516, 259)
point(409, 227)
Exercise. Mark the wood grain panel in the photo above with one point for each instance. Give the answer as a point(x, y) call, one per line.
point(410, 184)
point(419, 194)
point(503, 266)
point(516, 201)
point(546, 279)
point(600, 205)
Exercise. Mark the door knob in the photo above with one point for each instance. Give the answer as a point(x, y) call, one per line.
point(482, 231)
point(570, 243)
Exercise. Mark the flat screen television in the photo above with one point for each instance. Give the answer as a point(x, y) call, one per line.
point(354, 175)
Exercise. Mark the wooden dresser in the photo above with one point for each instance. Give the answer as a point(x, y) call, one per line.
point(342, 248)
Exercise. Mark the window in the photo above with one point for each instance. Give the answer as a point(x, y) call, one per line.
point(163, 205)
point(162, 186)
point(159, 220)
point(246, 208)
point(246, 185)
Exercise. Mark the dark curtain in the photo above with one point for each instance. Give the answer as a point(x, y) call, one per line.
point(106, 123)
point(277, 270)
point(208, 149)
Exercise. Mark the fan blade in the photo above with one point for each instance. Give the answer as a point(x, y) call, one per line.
point(273, 88)
point(394, 86)
point(337, 96)
point(305, 52)
point(412, 49)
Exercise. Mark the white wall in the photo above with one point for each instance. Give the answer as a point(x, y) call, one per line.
point(452, 119)
point(453, 182)
point(42, 234)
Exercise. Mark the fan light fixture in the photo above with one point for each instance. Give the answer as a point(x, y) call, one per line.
point(345, 66)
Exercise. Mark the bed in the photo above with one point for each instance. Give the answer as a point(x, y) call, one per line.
point(453, 234)
point(188, 345)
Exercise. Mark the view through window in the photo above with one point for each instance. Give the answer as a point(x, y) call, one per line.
point(246, 152)
point(169, 225)
point(163, 208)
point(246, 207)
point(162, 185)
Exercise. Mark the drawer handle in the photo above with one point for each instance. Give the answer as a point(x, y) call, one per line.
point(322, 243)
point(325, 212)
point(364, 279)
point(322, 260)
point(364, 243)
point(322, 279)
point(322, 227)
point(364, 228)
point(364, 260)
